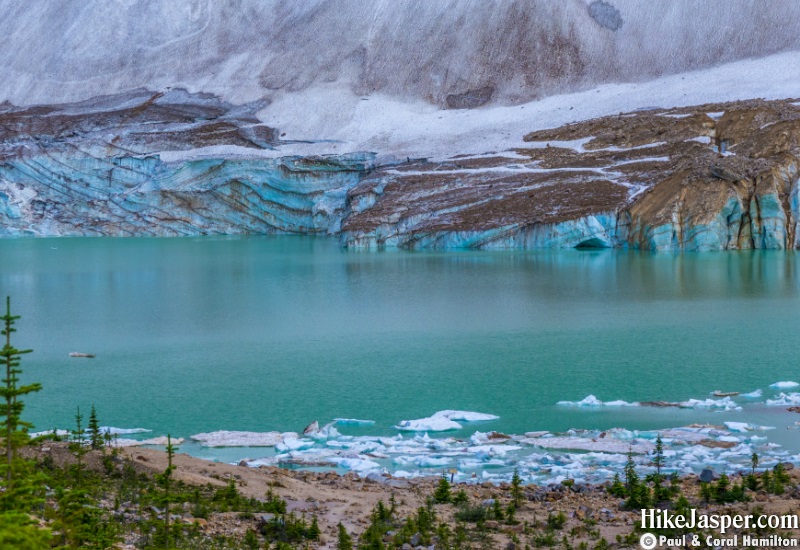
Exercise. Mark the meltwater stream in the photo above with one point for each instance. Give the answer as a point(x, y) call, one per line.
point(267, 334)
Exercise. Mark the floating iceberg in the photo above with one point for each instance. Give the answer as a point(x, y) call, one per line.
point(753, 394)
point(725, 404)
point(608, 445)
point(785, 400)
point(466, 416)
point(443, 421)
point(784, 385)
point(592, 401)
point(356, 464)
point(745, 427)
point(430, 424)
point(294, 444)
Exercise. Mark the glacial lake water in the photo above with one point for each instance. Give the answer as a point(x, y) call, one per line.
point(270, 333)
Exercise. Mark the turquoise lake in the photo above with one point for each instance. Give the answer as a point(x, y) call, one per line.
point(270, 333)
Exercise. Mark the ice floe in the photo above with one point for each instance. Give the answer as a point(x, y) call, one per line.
point(601, 444)
point(592, 401)
point(443, 421)
point(745, 427)
point(725, 404)
point(784, 385)
point(785, 400)
point(239, 439)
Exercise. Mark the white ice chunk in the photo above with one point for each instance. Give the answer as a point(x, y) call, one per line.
point(585, 444)
point(466, 416)
point(443, 421)
point(784, 385)
point(238, 439)
point(753, 394)
point(356, 464)
point(785, 400)
point(742, 427)
point(294, 444)
point(326, 432)
point(592, 401)
point(422, 461)
point(725, 404)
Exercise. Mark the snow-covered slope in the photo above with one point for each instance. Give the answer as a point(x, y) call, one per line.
point(443, 52)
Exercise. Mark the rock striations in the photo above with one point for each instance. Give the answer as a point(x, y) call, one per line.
point(94, 168)
point(710, 177)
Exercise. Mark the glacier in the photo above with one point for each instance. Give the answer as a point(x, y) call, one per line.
point(415, 125)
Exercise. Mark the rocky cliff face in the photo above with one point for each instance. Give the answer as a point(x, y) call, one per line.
point(710, 177)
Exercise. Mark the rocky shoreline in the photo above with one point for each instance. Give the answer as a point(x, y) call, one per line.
point(590, 512)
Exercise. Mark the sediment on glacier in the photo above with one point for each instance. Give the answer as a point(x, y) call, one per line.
point(711, 177)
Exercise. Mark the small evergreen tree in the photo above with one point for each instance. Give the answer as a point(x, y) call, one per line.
point(754, 463)
point(10, 392)
point(165, 481)
point(78, 447)
point(516, 489)
point(658, 457)
point(442, 493)
point(314, 531)
point(95, 436)
point(631, 478)
point(460, 497)
point(344, 540)
point(617, 488)
point(21, 487)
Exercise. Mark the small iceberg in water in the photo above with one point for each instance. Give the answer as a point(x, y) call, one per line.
point(784, 385)
point(443, 421)
point(592, 401)
point(785, 400)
